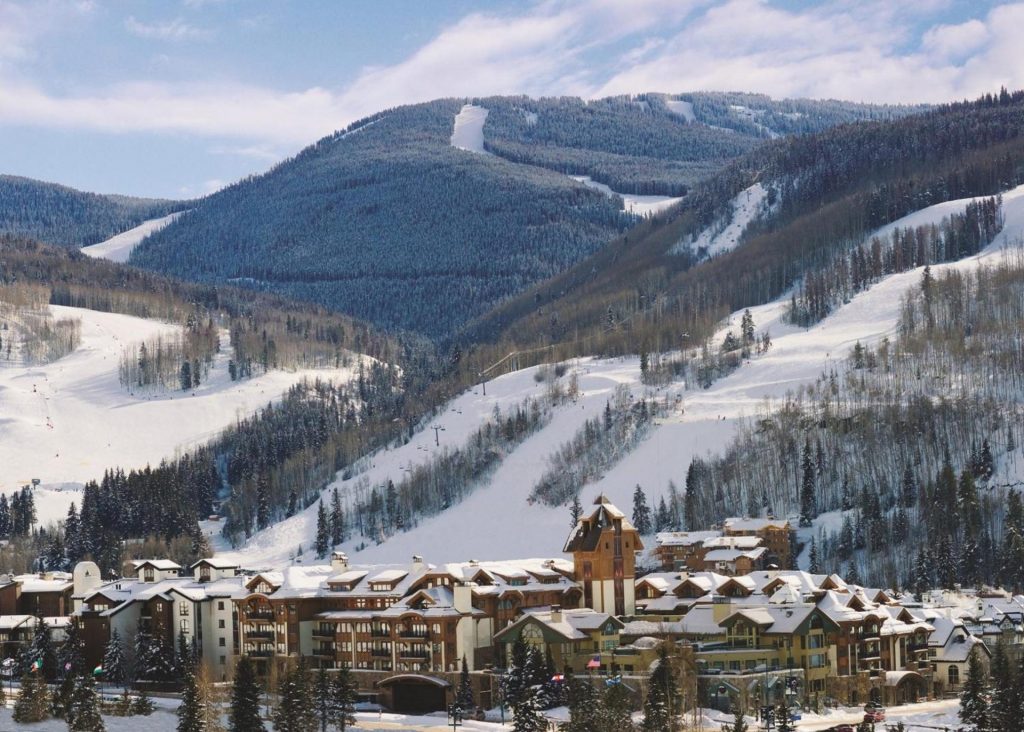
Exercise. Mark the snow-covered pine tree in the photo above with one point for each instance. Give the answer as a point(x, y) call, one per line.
point(33, 702)
point(663, 703)
point(191, 712)
point(244, 714)
point(343, 700)
point(464, 696)
point(662, 517)
point(615, 713)
point(323, 531)
point(114, 667)
point(974, 700)
point(322, 698)
point(294, 711)
point(584, 706)
point(40, 652)
point(83, 712)
point(527, 716)
point(641, 511)
point(782, 721)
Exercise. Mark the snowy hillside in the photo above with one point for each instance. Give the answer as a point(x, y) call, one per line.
point(468, 133)
point(498, 522)
point(67, 421)
point(119, 248)
point(724, 235)
point(635, 204)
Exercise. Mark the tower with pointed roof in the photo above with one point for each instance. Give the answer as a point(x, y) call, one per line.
point(603, 547)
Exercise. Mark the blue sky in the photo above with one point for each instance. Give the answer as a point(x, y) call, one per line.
point(178, 97)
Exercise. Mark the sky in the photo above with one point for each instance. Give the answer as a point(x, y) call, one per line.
point(177, 98)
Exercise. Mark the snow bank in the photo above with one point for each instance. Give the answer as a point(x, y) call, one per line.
point(67, 421)
point(683, 109)
point(638, 205)
point(468, 133)
point(723, 236)
point(119, 248)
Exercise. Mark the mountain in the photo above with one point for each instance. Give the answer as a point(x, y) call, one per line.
point(802, 201)
point(63, 216)
point(424, 217)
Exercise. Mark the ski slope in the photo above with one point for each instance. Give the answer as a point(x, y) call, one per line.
point(119, 248)
point(724, 236)
point(498, 522)
point(66, 422)
point(683, 109)
point(637, 205)
point(468, 133)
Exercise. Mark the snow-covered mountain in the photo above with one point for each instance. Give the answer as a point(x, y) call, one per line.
point(66, 422)
point(499, 521)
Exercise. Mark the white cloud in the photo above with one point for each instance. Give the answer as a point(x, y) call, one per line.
point(870, 51)
point(170, 30)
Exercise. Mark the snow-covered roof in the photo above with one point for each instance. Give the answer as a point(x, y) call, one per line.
point(161, 564)
point(754, 524)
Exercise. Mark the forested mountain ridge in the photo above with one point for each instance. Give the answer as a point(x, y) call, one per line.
point(388, 222)
point(63, 216)
point(828, 191)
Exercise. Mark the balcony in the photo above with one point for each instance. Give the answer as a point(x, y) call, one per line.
point(415, 634)
point(261, 653)
point(416, 655)
point(380, 652)
point(324, 651)
point(323, 633)
point(262, 633)
point(867, 652)
point(261, 614)
point(917, 647)
point(380, 633)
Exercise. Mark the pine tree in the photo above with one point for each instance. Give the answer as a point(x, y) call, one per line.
point(322, 698)
point(343, 700)
point(294, 711)
point(662, 517)
point(114, 670)
point(83, 714)
point(244, 715)
point(191, 711)
point(814, 566)
point(584, 706)
point(615, 713)
point(663, 703)
point(323, 532)
point(1005, 714)
point(739, 722)
point(575, 511)
point(782, 721)
point(641, 511)
point(527, 715)
point(922, 581)
point(974, 701)
point(516, 681)
point(464, 696)
point(39, 653)
point(807, 487)
point(33, 702)
point(142, 705)
point(337, 519)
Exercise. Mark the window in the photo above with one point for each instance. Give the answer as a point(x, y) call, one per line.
point(954, 676)
point(220, 623)
point(220, 604)
point(183, 609)
point(220, 642)
point(223, 660)
point(184, 626)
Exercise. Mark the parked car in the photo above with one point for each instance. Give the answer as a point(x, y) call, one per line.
point(875, 714)
point(841, 728)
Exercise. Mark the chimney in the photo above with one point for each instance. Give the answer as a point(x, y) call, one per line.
point(463, 597)
point(339, 561)
point(556, 613)
point(721, 608)
point(417, 563)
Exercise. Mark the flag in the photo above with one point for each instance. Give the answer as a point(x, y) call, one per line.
point(67, 666)
point(594, 662)
point(98, 670)
point(37, 664)
point(558, 678)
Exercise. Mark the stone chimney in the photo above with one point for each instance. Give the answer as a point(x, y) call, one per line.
point(556, 613)
point(339, 561)
point(417, 563)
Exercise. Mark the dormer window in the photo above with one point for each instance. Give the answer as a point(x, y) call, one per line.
point(148, 575)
